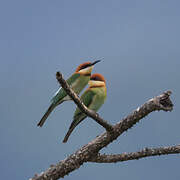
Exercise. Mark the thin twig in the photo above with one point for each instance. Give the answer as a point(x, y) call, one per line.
point(146, 152)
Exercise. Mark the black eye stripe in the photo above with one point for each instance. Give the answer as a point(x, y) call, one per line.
point(96, 79)
point(85, 66)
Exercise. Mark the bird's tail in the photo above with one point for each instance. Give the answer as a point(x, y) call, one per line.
point(76, 121)
point(43, 119)
point(68, 134)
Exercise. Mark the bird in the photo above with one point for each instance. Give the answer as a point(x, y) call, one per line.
point(77, 82)
point(93, 98)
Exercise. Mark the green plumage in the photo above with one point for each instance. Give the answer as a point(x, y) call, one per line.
point(93, 98)
point(72, 81)
point(77, 82)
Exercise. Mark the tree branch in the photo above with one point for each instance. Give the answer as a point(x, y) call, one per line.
point(87, 152)
point(81, 106)
point(146, 152)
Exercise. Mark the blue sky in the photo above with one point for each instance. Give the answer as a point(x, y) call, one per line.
point(139, 41)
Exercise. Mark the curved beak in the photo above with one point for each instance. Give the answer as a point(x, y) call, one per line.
point(95, 62)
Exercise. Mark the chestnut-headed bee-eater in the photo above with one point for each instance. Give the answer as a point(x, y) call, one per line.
point(77, 82)
point(93, 98)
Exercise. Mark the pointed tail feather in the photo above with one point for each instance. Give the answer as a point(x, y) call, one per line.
point(42, 121)
point(68, 134)
point(72, 126)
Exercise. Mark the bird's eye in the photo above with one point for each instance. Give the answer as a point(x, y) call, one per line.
point(85, 66)
point(95, 79)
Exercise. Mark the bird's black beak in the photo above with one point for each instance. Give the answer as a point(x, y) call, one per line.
point(95, 62)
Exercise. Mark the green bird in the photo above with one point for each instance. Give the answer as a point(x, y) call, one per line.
point(77, 82)
point(93, 98)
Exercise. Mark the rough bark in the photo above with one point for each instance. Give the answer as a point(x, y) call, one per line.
point(146, 152)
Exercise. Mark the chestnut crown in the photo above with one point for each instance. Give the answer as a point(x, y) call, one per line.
point(86, 65)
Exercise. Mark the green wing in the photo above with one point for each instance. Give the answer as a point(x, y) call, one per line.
point(73, 78)
point(87, 98)
point(60, 94)
point(93, 99)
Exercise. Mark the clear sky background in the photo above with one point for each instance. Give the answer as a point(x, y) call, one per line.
point(140, 43)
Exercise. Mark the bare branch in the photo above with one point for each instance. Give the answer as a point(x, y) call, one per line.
point(87, 152)
point(146, 152)
point(81, 106)
point(161, 102)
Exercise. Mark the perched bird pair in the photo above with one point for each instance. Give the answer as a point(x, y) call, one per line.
point(93, 97)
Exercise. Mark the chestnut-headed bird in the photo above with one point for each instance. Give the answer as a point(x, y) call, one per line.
point(93, 98)
point(77, 82)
